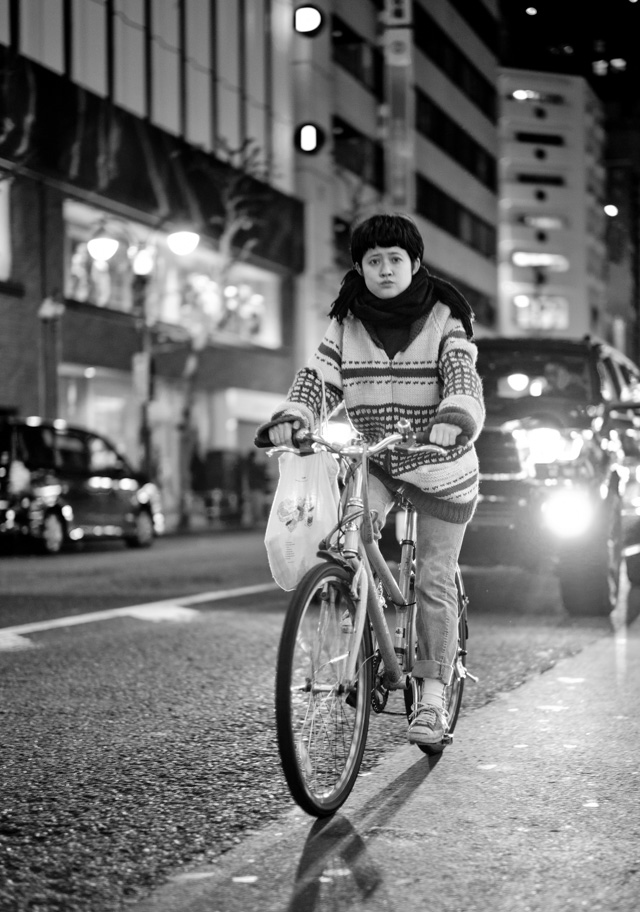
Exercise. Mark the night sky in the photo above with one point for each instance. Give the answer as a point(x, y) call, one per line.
point(569, 35)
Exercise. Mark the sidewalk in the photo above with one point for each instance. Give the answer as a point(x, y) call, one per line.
point(536, 806)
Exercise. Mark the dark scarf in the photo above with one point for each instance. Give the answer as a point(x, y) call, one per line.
point(414, 302)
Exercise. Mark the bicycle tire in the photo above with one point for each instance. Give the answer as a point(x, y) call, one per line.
point(456, 688)
point(321, 733)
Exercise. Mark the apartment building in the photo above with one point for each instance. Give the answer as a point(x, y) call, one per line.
point(552, 249)
point(156, 125)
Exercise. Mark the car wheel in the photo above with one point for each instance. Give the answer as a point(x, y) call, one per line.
point(53, 534)
point(143, 534)
point(590, 576)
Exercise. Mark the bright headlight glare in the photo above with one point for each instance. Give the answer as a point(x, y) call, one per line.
point(568, 514)
point(547, 445)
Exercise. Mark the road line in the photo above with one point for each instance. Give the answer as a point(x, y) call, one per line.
point(167, 609)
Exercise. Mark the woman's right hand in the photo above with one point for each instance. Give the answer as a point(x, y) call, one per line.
point(282, 434)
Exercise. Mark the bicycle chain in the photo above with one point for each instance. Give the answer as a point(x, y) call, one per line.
point(379, 694)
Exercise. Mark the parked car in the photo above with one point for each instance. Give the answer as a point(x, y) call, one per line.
point(560, 464)
point(61, 484)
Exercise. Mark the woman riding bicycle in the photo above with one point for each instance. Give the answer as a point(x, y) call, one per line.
point(400, 345)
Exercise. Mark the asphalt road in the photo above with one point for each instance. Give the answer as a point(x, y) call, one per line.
point(140, 746)
point(535, 809)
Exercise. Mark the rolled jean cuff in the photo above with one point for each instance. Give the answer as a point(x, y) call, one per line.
point(429, 668)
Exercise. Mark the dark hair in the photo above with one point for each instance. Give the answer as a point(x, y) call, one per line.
point(386, 231)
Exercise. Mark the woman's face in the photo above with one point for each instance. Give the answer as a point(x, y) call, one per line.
point(387, 271)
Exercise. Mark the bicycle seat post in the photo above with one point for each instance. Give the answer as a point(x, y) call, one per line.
point(407, 552)
point(355, 505)
point(406, 582)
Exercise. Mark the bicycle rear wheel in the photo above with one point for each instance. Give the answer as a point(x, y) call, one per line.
point(453, 697)
point(321, 726)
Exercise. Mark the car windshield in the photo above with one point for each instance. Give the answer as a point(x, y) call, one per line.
point(519, 374)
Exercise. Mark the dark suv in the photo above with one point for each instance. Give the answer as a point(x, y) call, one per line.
point(62, 484)
point(559, 463)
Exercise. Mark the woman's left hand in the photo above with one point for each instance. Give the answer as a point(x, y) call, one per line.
point(444, 435)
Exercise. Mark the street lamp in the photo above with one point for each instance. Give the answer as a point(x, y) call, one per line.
point(182, 243)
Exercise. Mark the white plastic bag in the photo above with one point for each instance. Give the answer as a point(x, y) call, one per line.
point(304, 511)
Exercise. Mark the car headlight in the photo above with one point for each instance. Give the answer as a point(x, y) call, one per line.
point(547, 445)
point(569, 513)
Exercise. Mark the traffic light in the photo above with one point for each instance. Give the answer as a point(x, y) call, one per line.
point(309, 138)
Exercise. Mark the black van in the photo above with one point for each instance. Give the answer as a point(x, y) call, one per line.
point(560, 465)
point(61, 484)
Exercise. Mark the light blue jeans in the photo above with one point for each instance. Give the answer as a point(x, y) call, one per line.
point(438, 547)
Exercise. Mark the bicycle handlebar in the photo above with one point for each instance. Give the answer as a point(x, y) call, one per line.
point(403, 439)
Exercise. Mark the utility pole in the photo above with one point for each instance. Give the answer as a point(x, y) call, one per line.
point(399, 148)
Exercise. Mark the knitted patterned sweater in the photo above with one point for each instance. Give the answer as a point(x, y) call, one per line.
point(433, 378)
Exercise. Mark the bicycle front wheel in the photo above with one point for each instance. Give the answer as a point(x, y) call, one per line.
point(322, 720)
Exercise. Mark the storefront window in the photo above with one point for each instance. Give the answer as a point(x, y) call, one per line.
point(202, 292)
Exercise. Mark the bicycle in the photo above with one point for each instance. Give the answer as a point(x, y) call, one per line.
point(337, 659)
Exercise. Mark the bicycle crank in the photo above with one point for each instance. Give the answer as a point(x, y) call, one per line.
point(379, 693)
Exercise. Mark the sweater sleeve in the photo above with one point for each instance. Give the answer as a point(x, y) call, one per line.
point(304, 399)
point(462, 402)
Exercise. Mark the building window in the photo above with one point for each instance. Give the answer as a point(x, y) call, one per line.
point(357, 56)
point(444, 132)
point(445, 212)
point(546, 222)
point(483, 306)
point(198, 294)
point(551, 180)
point(341, 243)
point(481, 20)
point(447, 56)
point(358, 153)
point(541, 312)
point(532, 95)
point(541, 139)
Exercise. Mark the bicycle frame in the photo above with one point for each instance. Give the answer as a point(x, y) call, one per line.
point(363, 556)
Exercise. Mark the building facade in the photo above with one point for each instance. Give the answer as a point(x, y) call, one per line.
point(554, 272)
point(134, 121)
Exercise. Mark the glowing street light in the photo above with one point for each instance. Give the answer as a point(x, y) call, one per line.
point(307, 20)
point(182, 243)
point(102, 248)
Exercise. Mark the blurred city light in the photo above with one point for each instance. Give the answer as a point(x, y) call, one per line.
point(102, 248)
point(611, 210)
point(307, 20)
point(543, 221)
point(143, 261)
point(309, 138)
point(183, 243)
point(568, 513)
point(518, 382)
point(554, 261)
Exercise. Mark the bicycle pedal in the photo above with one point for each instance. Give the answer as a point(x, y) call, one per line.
point(448, 738)
point(468, 674)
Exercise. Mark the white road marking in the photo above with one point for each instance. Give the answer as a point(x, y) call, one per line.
point(176, 609)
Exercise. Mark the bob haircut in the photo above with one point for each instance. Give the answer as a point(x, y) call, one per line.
point(386, 231)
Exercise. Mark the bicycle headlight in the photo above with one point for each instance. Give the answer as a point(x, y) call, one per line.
point(568, 513)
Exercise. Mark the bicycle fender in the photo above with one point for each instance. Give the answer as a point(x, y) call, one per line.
point(334, 558)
